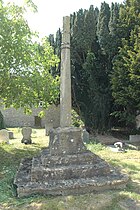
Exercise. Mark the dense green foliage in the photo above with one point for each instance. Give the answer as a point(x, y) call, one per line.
point(105, 50)
point(105, 55)
point(126, 75)
point(25, 65)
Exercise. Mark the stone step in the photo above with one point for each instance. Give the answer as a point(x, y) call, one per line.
point(69, 172)
point(75, 159)
point(25, 186)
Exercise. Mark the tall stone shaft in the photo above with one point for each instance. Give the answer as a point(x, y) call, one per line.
point(65, 78)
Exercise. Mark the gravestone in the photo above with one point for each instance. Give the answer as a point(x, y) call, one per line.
point(134, 141)
point(85, 136)
point(134, 138)
point(26, 132)
point(66, 167)
point(4, 136)
point(11, 135)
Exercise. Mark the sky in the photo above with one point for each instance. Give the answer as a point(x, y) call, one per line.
point(50, 13)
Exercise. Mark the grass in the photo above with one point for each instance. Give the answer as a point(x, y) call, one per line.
point(11, 154)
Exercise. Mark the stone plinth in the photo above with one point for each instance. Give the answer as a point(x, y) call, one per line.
point(70, 180)
point(73, 172)
point(66, 141)
point(77, 166)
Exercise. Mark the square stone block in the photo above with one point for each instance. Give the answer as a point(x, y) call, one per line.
point(134, 138)
point(66, 140)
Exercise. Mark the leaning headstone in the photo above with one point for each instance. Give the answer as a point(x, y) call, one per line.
point(4, 136)
point(26, 132)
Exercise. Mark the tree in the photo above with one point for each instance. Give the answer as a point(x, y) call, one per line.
point(25, 65)
point(126, 79)
point(103, 28)
point(99, 40)
point(83, 40)
point(114, 33)
point(126, 75)
point(98, 108)
point(56, 44)
point(90, 81)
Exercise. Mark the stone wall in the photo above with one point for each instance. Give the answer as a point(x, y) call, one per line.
point(17, 118)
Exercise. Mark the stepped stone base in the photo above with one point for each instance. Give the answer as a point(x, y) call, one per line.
point(56, 172)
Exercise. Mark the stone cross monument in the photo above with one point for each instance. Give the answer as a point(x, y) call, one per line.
point(65, 84)
point(66, 167)
point(66, 139)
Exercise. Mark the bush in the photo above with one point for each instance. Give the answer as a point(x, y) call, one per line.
point(76, 121)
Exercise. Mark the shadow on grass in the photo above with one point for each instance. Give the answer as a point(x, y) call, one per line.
point(14, 155)
point(129, 166)
point(133, 186)
point(10, 158)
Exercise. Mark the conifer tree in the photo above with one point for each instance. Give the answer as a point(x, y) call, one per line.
point(115, 40)
point(96, 37)
point(90, 80)
point(103, 27)
point(126, 75)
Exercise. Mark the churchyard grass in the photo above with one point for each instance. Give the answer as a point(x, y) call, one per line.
point(12, 153)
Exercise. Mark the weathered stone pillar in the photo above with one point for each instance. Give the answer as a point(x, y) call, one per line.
point(66, 139)
point(65, 85)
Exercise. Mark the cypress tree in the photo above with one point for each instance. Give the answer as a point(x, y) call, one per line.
point(126, 75)
point(115, 40)
point(58, 40)
point(89, 76)
point(103, 28)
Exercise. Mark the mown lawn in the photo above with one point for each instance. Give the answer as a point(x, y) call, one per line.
point(11, 154)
